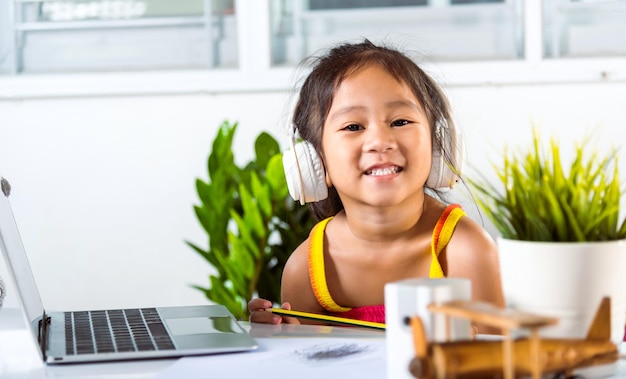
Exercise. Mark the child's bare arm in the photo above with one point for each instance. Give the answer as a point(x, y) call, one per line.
point(296, 286)
point(473, 254)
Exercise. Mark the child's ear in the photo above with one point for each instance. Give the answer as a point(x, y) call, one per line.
point(329, 182)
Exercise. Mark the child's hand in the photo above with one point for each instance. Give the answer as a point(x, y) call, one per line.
point(258, 313)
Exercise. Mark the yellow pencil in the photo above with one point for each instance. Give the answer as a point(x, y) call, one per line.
point(330, 319)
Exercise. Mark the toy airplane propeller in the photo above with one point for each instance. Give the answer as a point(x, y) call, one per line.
point(509, 357)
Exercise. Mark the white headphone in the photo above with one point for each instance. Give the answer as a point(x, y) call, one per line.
point(444, 174)
point(304, 171)
point(306, 177)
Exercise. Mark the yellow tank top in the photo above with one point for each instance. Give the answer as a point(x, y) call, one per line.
point(441, 236)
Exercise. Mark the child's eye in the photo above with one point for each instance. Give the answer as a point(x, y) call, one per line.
point(353, 127)
point(400, 123)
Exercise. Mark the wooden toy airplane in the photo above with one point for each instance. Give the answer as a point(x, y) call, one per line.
point(509, 357)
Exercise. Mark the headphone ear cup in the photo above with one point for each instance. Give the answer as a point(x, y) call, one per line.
point(304, 171)
point(292, 174)
point(442, 174)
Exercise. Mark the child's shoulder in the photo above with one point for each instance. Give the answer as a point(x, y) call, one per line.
point(298, 260)
point(469, 235)
point(295, 277)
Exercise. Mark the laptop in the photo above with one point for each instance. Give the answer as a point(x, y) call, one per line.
point(114, 334)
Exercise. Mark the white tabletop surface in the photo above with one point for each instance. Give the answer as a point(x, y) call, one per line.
point(19, 358)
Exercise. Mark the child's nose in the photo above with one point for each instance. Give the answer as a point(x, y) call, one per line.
point(379, 139)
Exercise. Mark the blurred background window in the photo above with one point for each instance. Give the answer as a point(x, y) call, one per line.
point(104, 35)
point(443, 30)
point(585, 28)
point(66, 36)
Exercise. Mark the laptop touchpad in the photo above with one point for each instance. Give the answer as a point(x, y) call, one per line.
point(201, 325)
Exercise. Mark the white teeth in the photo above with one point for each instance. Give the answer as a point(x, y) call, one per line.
point(384, 171)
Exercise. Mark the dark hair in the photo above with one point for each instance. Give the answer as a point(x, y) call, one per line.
point(330, 70)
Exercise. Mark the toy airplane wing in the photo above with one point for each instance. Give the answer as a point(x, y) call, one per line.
point(488, 314)
point(600, 328)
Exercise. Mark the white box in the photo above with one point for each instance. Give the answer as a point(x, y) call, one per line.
point(408, 298)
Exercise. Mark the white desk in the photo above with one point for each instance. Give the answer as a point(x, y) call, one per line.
point(19, 358)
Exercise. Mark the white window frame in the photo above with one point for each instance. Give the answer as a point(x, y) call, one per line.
point(166, 42)
point(255, 73)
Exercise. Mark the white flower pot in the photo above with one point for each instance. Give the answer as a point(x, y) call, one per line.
point(566, 280)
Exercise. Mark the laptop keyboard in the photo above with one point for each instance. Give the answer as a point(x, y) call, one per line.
point(120, 330)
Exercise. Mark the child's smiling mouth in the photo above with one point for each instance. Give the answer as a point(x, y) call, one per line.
point(382, 171)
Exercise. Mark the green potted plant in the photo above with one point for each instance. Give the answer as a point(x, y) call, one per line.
point(539, 201)
point(252, 224)
point(562, 244)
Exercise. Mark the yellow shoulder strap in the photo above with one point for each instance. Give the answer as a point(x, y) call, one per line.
point(441, 236)
point(317, 272)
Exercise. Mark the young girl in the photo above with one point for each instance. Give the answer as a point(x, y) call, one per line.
point(375, 119)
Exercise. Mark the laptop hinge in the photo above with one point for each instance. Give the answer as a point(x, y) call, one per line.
point(43, 334)
point(5, 186)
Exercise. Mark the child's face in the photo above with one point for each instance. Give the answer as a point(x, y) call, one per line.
point(376, 141)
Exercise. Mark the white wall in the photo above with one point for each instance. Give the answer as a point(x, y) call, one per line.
point(103, 187)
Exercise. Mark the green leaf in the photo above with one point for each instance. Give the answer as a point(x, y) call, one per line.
point(203, 253)
point(222, 158)
point(265, 147)
point(245, 232)
point(241, 210)
point(242, 259)
point(261, 192)
point(221, 294)
point(231, 273)
point(538, 200)
point(204, 218)
point(275, 175)
point(251, 212)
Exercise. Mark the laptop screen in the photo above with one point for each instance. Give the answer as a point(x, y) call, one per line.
point(16, 259)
